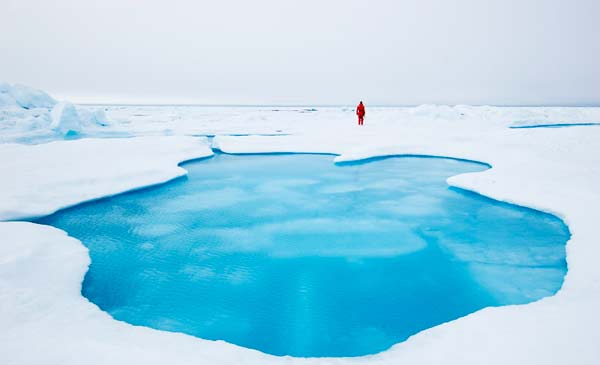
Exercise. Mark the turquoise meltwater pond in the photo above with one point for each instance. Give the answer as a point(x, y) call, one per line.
point(294, 255)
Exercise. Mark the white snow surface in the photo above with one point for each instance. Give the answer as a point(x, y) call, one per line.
point(199, 120)
point(39, 180)
point(44, 318)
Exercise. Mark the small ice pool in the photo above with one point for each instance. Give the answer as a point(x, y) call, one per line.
point(293, 255)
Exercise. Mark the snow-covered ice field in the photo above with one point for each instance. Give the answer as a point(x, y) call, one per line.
point(44, 318)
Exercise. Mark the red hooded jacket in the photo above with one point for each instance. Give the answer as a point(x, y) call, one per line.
point(360, 110)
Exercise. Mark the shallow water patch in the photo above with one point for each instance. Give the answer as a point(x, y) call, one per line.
point(554, 125)
point(294, 255)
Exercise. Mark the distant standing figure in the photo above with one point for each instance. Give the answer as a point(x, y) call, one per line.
point(360, 111)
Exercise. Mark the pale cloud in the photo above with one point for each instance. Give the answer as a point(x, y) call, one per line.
point(306, 52)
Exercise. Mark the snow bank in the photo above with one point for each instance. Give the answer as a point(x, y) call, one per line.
point(40, 179)
point(437, 111)
point(23, 96)
point(31, 116)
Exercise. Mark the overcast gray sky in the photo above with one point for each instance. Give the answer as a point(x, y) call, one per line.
point(305, 52)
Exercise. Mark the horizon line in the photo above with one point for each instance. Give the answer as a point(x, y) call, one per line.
point(248, 105)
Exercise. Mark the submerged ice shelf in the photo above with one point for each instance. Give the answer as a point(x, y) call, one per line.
point(291, 254)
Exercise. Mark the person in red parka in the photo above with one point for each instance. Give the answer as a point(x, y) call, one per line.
point(360, 111)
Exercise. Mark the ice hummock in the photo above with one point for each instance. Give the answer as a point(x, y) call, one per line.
point(24, 97)
point(65, 119)
point(28, 115)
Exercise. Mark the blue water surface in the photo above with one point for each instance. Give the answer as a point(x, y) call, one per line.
point(554, 125)
point(294, 255)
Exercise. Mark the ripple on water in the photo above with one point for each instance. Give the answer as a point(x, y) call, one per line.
point(294, 255)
